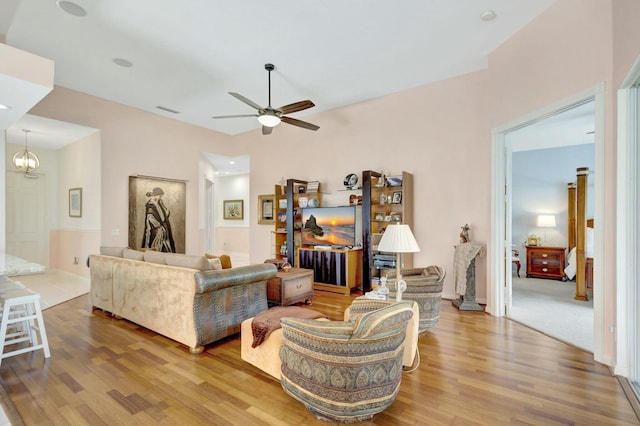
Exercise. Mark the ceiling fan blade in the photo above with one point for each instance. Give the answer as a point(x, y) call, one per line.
point(266, 130)
point(299, 123)
point(245, 100)
point(235, 116)
point(296, 106)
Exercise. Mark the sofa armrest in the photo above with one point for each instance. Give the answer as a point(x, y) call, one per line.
point(207, 281)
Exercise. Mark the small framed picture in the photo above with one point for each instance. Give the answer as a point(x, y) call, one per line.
point(379, 216)
point(397, 197)
point(532, 241)
point(75, 202)
point(233, 209)
point(282, 203)
point(266, 209)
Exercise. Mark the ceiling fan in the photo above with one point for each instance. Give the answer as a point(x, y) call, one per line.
point(270, 117)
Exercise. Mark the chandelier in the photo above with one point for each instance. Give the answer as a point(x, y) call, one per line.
point(26, 161)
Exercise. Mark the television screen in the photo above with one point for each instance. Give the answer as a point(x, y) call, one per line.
point(329, 226)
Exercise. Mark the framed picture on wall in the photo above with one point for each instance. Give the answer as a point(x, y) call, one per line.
point(266, 209)
point(233, 209)
point(157, 213)
point(75, 202)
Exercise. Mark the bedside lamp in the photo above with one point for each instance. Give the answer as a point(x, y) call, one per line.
point(398, 239)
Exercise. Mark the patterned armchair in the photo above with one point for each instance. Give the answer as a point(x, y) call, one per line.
point(424, 285)
point(345, 371)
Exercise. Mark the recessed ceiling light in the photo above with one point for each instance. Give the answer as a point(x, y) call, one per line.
point(71, 8)
point(3, 106)
point(123, 62)
point(488, 15)
point(232, 162)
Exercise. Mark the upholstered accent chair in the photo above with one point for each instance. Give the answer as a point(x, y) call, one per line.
point(424, 285)
point(345, 371)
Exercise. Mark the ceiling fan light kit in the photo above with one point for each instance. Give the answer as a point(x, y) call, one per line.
point(270, 117)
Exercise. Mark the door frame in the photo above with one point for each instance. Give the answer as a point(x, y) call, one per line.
point(628, 231)
point(497, 294)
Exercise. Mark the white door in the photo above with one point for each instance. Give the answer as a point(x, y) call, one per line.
point(26, 225)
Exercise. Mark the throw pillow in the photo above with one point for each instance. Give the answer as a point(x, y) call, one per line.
point(216, 265)
point(225, 260)
point(133, 254)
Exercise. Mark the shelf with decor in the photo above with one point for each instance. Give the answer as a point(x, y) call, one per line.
point(290, 199)
point(385, 200)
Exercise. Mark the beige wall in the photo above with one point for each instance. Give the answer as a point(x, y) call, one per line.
point(441, 133)
point(134, 142)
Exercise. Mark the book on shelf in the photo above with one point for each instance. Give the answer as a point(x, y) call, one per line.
point(313, 186)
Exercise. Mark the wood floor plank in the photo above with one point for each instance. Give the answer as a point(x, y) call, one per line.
point(475, 370)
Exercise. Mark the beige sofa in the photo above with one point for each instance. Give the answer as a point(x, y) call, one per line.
point(184, 300)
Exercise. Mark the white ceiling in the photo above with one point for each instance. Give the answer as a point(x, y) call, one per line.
point(187, 55)
point(574, 126)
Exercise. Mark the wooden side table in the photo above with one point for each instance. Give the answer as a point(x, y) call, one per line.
point(546, 262)
point(287, 288)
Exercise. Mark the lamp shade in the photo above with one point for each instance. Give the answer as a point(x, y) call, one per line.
point(398, 238)
point(546, 221)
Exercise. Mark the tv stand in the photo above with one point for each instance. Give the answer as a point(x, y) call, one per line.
point(335, 270)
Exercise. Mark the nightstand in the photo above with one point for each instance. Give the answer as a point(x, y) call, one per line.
point(546, 262)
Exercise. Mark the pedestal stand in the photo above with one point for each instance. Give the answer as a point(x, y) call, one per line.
point(468, 301)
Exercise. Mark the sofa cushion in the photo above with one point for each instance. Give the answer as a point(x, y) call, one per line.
point(155, 257)
point(112, 251)
point(187, 261)
point(133, 254)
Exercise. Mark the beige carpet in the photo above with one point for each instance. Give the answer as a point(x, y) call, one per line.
point(54, 287)
point(549, 306)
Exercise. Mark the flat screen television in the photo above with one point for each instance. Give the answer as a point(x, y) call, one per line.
point(329, 226)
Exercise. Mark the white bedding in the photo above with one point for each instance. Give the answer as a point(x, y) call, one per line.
point(570, 270)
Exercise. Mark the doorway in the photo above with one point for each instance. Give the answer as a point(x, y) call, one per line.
point(26, 230)
point(499, 292)
point(544, 157)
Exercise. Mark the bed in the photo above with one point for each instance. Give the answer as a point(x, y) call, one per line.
point(580, 236)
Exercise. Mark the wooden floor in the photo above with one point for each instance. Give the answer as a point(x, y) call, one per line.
point(475, 370)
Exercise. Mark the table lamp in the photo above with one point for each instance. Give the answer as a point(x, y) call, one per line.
point(398, 239)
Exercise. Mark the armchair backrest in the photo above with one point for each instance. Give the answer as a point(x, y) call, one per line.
point(384, 321)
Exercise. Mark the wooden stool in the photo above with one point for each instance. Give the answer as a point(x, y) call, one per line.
point(19, 310)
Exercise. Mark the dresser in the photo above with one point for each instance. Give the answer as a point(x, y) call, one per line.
point(546, 262)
